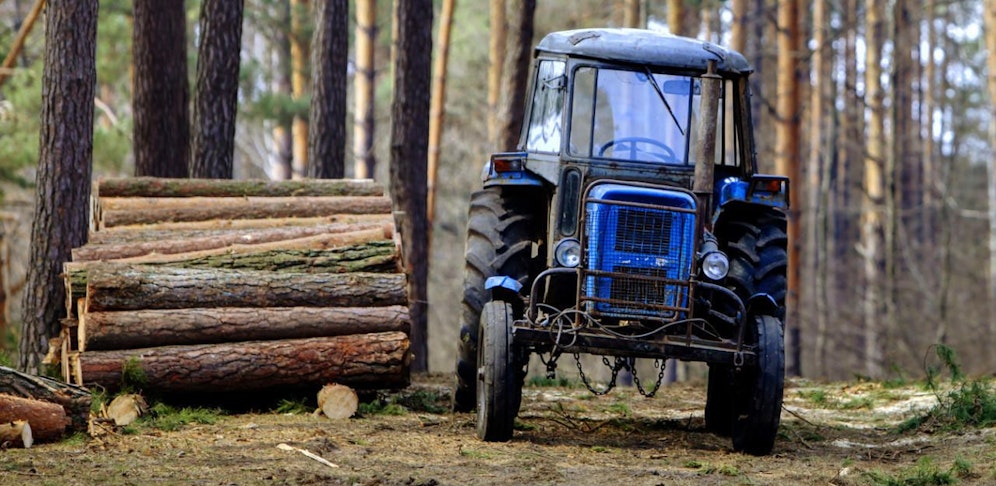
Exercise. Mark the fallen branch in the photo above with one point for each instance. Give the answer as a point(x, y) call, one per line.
point(285, 447)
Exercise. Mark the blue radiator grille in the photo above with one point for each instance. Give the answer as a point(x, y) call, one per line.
point(639, 251)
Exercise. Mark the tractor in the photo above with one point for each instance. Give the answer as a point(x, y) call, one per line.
point(631, 223)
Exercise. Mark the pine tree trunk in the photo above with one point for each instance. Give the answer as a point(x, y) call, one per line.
point(515, 73)
point(874, 194)
point(159, 187)
point(409, 145)
point(151, 327)
point(48, 421)
point(73, 399)
point(819, 160)
point(990, 19)
point(498, 26)
point(437, 104)
point(364, 84)
point(212, 149)
point(327, 120)
point(283, 140)
point(161, 90)
point(64, 167)
point(299, 88)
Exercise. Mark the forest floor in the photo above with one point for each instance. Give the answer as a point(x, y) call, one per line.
point(830, 434)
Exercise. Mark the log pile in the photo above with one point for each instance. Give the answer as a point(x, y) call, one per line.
point(216, 285)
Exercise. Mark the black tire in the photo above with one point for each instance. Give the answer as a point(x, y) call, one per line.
point(759, 391)
point(499, 242)
point(719, 407)
point(758, 252)
point(499, 386)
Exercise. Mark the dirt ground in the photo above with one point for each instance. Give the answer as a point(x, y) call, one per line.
point(830, 434)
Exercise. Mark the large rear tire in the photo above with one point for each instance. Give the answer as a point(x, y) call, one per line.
point(758, 252)
point(500, 233)
point(499, 386)
point(759, 391)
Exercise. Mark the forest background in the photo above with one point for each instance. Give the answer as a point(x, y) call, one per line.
point(895, 206)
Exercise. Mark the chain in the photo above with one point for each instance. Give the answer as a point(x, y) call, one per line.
point(612, 382)
point(657, 386)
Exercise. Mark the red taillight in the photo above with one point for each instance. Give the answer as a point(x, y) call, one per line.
point(506, 165)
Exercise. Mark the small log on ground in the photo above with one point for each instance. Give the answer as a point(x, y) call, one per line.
point(234, 224)
point(17, 433)
point(136, 287)
point(372, 361)
point(374, 257)
point(169, 243)
point(125, 211)
point(164, 187)
point(337, 401)
point(48, 420)
point(125, 409)
point(146, 328)
point(73, 399)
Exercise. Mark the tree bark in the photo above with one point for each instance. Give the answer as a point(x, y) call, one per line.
point(299, 88)
point(48, 421)
point(129, 211)
point(372, 361)
point(327, 120)
point(159, 187)
point(409, 140)
point(990, 25)
point(216, 98)
point(64, 167)
point(283, 139)
point(244, 224)
point(364, 84)
point(871, 214)
point(496, 60)
point(165, 243)
point(136, 287)
point(149, 328)
point(437, 104)
point(676, 17)
point(515, 73)
point(73, 399)
point(161, 89)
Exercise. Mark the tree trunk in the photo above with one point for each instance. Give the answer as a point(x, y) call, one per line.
point(871, 216)
point(676, 16)
point(364, 84)
point(164, 243)
point(64, 168)
point(149, 328)
point(515, 73)
point(409, 140)
point(129, 211)
point(327, 120)
point(631, 14)
point(22, 36)
point(437, 105)
point(48, 421)
point(158, 187)
point(496, 60)
point(990, 20)
point(819, 160)
point(376, 360)
point(299, 77)
point(237, 224)
point(161, 90)
point(255, 230)
point(73, 399)
point(283, 139)
point(17, 433)
point(216, 98)
point(136, 287)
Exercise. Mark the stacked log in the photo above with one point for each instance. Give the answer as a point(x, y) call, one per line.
point(220, 285)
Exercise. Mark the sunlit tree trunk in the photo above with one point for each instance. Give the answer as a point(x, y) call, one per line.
point(819, 161)
point(496, 60)
point(327, 117)
point(515, 73)
point(363, 89)
point(409, 150)
point(874, 193)
point(283, 143)
point(990, 22)
point(675, 16)
point(65, 161)
point(437, 105)
point(631, 14)
point(299, 82)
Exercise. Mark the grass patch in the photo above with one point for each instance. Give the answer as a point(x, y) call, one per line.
point(546, 382)
point(817, 397)
point(292, 407)
point(474, 454)
point(380, 407)
point(924, 473)
point(423, 401)
point(168, 419)
point(133, 377)
point(969, 403)
point(620, 408)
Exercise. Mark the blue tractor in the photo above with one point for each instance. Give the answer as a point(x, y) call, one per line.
point(631, 223)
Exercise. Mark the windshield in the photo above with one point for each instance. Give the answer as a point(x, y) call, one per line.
point(633, 115)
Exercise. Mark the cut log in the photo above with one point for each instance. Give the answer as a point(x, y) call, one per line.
point(372, 361)
point(48, 420)
point(136, 287)
point(146, 328)
point(375, 257)
point(162, 187)
point(337, 401)
point(169, 243)
point(126, 211)
point(125, 409)
point(236, 224)
point(73, 399)
point(16, 433)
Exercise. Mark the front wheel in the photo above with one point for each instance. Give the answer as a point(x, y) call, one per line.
point(759, 390)
point(499, 377)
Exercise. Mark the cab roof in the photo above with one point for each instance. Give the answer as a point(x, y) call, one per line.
point(644, 47)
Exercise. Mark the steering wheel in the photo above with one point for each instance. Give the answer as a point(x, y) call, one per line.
point(666, 154)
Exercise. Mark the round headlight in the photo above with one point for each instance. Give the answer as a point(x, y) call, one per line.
point(715, 265)
point(568, 253)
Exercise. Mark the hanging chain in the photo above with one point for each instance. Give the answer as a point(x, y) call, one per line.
point(612, 382)
point(660, 378)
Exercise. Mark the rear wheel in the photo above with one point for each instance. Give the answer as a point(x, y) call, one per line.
point(499, 386)
point(759, 390)
point(499, 242)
